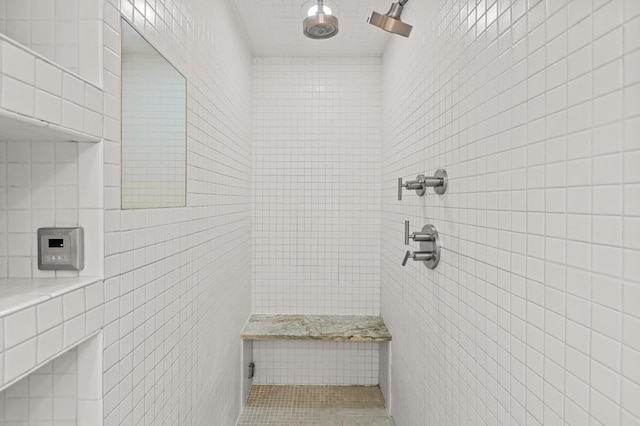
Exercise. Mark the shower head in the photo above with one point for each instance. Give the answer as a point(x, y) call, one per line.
point(391, 21)
point(320, 25)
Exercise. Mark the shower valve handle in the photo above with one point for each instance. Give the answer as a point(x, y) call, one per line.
point(415, 236)
point(418, 256)
point(429, 252)
point(416, 185)
point(438, 182)
point(406, 257)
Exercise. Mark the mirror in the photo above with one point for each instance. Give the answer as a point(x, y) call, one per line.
point(154, 146)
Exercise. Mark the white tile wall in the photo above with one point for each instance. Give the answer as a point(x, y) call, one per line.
point(316, 220)
point(532, 316)
point(49, 395)
point(39, 333)
point(315, 363)
point(177, 288)
point(67, 32)
point(65, 391)
point(34, 87)
point(177, 282)
point(40, 188)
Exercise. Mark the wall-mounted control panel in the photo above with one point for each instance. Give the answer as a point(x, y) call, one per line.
point(61, 248)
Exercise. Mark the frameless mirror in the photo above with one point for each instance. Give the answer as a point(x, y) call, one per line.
point(154, 114)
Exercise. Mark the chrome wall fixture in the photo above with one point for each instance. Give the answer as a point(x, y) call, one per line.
point(321, 25)
point(438, 182)
point(429, 252)
point(391, 21)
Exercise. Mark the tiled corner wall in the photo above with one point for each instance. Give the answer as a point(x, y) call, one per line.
point(177, 280)
point(533, 315)
point(316, 220)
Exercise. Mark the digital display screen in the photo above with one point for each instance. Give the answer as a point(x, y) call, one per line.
point(56, 243)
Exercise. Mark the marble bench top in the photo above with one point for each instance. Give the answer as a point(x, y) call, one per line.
point(340, 328)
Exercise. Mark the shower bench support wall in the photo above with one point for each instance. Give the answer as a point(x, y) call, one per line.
point(327, 328)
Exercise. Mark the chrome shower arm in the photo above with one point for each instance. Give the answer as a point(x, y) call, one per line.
point(396, 10)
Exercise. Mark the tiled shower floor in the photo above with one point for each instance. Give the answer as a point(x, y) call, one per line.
point(315, 405)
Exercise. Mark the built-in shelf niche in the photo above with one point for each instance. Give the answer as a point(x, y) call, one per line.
point(42, 318)
point(66, 32)
point(50, 95)
point(65, 389)
point(51, 70)
point(39, 100)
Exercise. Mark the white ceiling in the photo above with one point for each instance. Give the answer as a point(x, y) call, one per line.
point(274, 28)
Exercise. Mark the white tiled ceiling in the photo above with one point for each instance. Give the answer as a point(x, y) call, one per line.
point(274, 28)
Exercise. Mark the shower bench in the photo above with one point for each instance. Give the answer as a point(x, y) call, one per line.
point(333, 328)
point(319, 328)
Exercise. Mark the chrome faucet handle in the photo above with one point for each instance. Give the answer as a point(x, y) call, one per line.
point(417, 185)
point(416, 236)
point(406, 232)
point(429, 239)
point(438, 182)
point(406, 257)
point(418, 256)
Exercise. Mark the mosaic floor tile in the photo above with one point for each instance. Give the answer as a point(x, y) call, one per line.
point(315, 405)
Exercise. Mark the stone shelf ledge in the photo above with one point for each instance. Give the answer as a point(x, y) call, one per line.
point(335, 328)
